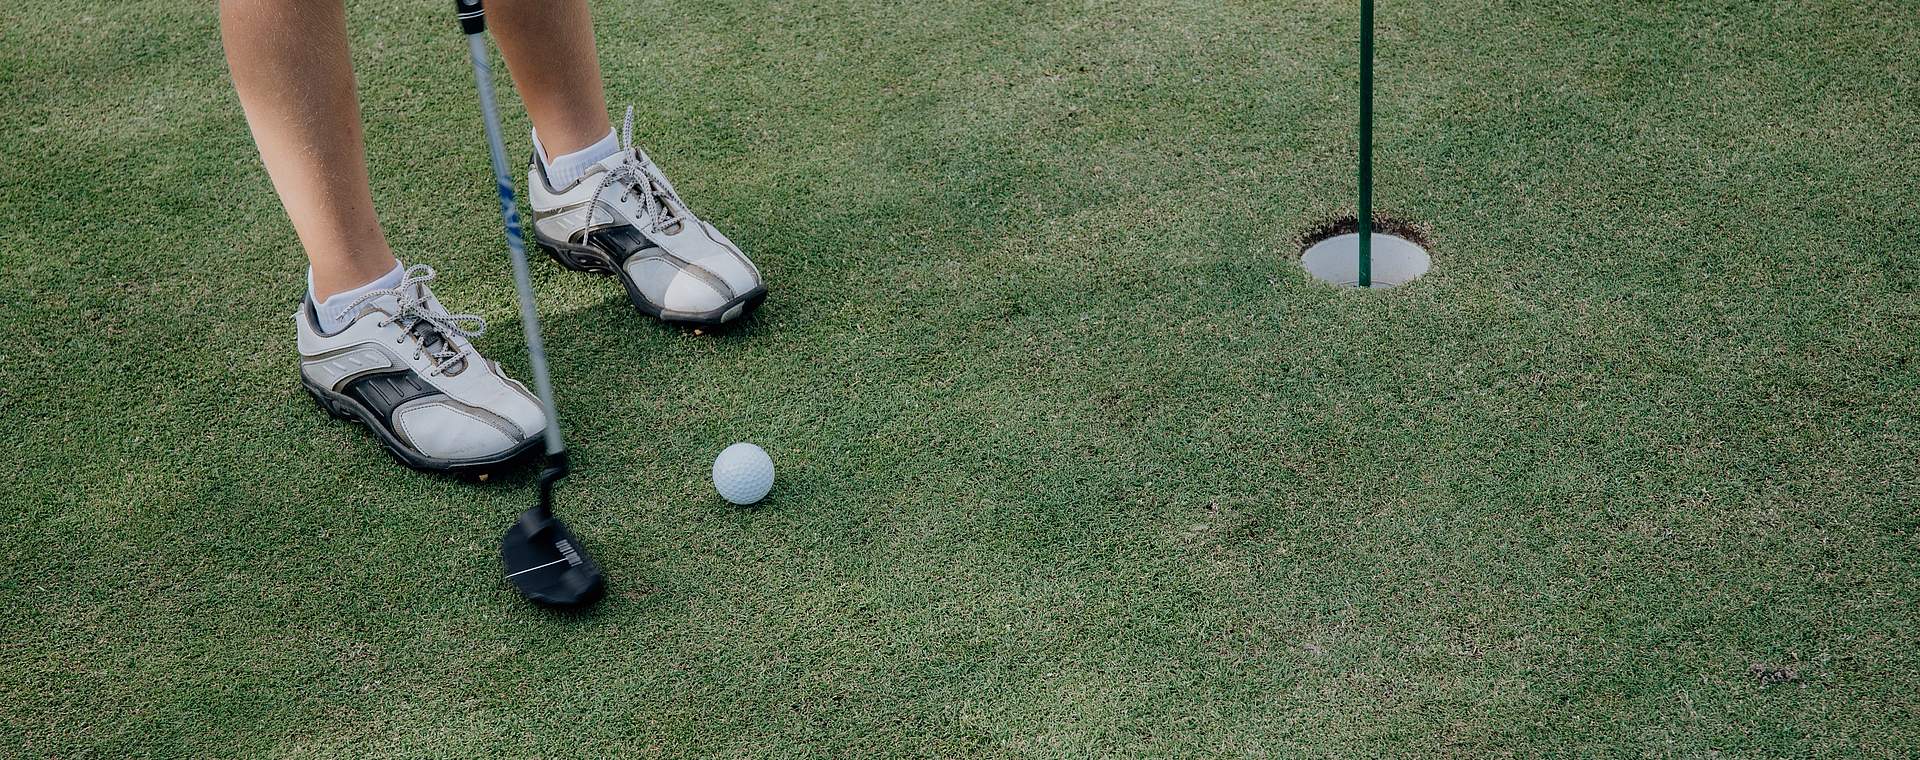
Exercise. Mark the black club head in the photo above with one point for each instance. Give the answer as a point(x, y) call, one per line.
point(548, 564)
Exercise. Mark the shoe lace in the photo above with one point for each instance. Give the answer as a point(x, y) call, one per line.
point(659, 204)
point(429, 326)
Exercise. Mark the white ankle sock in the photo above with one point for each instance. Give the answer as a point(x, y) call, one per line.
point(562, 172)
point(328, 311)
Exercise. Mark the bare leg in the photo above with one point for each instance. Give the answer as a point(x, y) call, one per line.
point(549, 49)
point(290, 66)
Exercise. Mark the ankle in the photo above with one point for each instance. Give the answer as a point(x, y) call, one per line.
point(325, 282)
point(563, 170)
point(329, 309)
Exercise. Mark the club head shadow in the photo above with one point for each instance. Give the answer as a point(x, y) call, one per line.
point(548, 564)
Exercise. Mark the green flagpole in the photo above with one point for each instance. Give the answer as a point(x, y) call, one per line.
point(1366, 143)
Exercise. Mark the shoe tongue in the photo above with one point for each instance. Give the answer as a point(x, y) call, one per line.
point(435, 341)
point(663, 200)
point(633, 205)
point(431, 338)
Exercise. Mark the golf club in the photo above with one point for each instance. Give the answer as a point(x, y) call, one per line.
point(542, 557)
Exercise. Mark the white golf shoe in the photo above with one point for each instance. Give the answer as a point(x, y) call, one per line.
point(405, 368)
point(623, 218)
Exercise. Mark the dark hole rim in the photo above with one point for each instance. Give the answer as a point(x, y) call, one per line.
point(1418, 233)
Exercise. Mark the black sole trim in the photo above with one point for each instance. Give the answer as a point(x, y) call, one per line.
point(586, 258)
point(342, 406)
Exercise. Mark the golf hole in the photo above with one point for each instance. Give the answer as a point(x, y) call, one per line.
point(1332, 254)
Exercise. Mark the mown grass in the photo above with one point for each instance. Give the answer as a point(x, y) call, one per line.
point(1074, 461)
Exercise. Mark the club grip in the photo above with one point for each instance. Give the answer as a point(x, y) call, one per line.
point(473, 18)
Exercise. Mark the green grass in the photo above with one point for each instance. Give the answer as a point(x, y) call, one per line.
point(1074, 460)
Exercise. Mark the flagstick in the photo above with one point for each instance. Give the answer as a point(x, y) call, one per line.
point(1366, 143)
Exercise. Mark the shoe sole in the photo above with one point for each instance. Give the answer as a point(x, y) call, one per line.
point(591, 260)
point(344, 407)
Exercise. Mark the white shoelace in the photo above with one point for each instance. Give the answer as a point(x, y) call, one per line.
point(659, 204)
point(418, 318)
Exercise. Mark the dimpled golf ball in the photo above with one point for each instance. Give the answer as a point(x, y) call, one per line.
point(743, 473)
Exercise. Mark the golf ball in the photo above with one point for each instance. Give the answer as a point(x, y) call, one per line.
point(743, 473)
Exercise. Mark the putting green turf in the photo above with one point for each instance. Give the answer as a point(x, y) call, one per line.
point(1073, 459)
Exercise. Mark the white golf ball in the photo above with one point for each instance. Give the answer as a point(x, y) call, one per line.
point(743, 473)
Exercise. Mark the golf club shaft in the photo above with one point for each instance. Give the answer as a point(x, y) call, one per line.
point(1366, 144)
point(474, 24)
